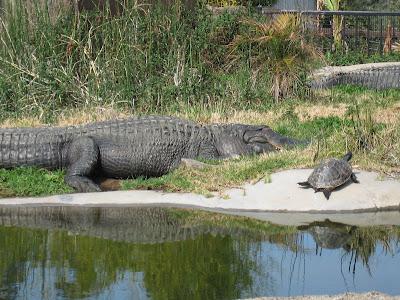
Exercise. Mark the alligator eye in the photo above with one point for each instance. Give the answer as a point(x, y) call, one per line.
point(257, 139)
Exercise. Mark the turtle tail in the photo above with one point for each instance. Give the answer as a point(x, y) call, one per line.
point(348, 156)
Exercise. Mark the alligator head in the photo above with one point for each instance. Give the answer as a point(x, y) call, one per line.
point(239, 139)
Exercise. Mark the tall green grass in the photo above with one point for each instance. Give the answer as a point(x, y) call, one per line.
point(149, 59)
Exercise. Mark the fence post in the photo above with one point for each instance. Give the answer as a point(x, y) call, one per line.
point(343, 31)
point(357, 32)
point(381, 38)
point(368, 26)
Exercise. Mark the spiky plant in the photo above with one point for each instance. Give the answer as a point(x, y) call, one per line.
point(278, 48)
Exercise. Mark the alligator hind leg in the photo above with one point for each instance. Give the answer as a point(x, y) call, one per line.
point(82, 155)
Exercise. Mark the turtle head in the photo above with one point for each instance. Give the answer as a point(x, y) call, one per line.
point(347, 156)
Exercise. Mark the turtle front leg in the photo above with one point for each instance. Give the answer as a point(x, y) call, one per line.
point(82, 156)
point(327, 193)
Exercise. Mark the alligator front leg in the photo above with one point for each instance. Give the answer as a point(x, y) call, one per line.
point(82, 156)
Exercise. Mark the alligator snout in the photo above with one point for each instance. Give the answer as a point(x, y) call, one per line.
point(279, 141)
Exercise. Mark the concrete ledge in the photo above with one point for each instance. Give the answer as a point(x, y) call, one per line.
point(282, 194)
point(347, 296)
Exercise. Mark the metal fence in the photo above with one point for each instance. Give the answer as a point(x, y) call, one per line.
point(364, 31)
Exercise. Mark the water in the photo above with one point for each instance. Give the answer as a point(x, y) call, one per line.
point(154, 253)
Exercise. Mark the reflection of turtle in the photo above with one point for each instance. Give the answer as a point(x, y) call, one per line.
point(330, 174)
point(330, 235)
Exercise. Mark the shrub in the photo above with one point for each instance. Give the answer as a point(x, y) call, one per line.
point(148, 59)
point(276, 47)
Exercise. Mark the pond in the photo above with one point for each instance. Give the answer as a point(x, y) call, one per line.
point(163, 253)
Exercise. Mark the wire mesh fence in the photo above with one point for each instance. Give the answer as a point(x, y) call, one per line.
point(365, 31)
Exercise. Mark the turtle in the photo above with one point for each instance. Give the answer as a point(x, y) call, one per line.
point(330, 174)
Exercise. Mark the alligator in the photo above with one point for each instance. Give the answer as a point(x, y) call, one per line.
point(148, 146)
point(374, 75)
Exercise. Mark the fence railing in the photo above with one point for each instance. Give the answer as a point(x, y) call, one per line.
point(365, 31)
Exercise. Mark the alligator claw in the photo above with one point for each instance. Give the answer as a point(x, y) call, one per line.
point(82, 184)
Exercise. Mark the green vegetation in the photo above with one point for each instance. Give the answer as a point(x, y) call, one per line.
point(149, 59)
point(369, 127)
point(31, 182)
point(277, 48)
point(345, 118)
point(342, 58)
point(69, 68)
point(228, 174)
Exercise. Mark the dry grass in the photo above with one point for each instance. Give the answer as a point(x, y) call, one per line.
point(389, 115)
point(248, 117)
point(70, 117)
point(213, 180)
point(309, 112)
point(76, 117)
point(24, 122)
point(90, 115)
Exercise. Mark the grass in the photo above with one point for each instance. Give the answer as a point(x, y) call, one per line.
point(357, 127)
point(227, 174)
point(71, 69)
point(342, 58)
point(149, 59)
point(31, 182)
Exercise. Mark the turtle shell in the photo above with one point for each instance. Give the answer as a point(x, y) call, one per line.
point(330, 237)
point(330, 174)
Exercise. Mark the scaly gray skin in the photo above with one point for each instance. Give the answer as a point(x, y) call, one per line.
point(375, 75)
point(141, 146)
point(330, 174)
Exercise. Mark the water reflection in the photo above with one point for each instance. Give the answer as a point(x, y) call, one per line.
point(154, 253)
point(330, 235)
